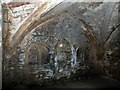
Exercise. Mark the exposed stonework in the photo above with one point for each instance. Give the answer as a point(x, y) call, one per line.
point(62, 42)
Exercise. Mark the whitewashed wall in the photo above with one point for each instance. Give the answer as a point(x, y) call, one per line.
point(18, 15)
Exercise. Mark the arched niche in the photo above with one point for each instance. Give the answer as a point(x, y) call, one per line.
point(36, 56)
point(81, 54)
point(33, 55)
point(44, 50)
point(63, 53)
point(78, 53)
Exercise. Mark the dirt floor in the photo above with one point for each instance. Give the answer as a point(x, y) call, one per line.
point(95, 82)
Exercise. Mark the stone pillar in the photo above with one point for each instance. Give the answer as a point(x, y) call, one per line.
point(0, 46)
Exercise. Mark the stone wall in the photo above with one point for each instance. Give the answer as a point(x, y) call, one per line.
point(60, 45)
point(0, 46)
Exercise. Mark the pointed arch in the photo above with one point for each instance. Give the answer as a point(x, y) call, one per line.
point(36, 55)
point(63, 53)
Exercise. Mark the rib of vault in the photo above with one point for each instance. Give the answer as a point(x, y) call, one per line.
point(36, 18)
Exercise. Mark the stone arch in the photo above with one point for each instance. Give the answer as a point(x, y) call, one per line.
point(63, 53)
point(78, 54)
point(44, 50)
point(36, 55)
point(81, 53)
point(32, 56)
